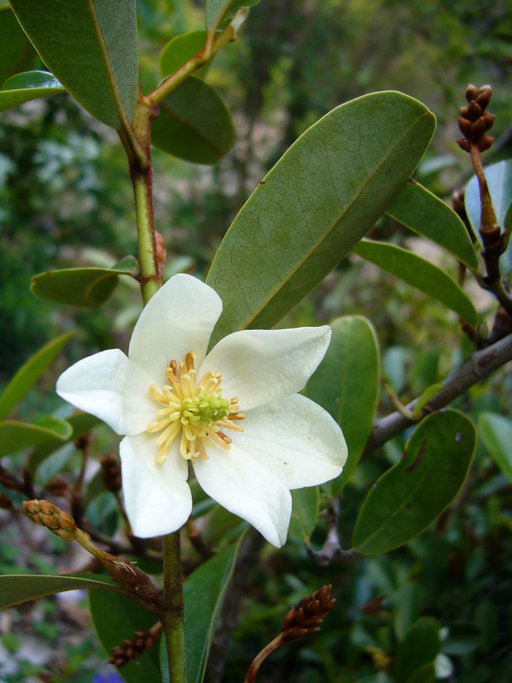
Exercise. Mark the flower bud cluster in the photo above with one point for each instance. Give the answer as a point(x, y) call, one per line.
point(111, 473)
point(46, 514)
point(475, 121)
point(309, 614)
point(133, 649)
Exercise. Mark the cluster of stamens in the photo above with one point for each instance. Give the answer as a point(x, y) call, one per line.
point(199, 411)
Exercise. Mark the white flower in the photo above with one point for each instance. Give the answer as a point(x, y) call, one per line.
point(166, 397)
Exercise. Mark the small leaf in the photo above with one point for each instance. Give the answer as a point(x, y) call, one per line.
point(314, 205)
point(26, 86)
point(91, 47)
point(305, 509)
point(346, 384)
point(425, 397)
point(16, 589)
point(16, 51)
point(116, 618)
point(219, 10)
point(15, 436)
point(30, 372)
point(420, 646)
point(179, 50)
point(496, 433)
point(88, 287)
point(419, 273)
point(413, 493)
point(194, 124)
point(425, 674)
point(427, 215)
point(499, 181)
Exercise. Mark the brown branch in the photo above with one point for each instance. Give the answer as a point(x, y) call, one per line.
point(476, 368)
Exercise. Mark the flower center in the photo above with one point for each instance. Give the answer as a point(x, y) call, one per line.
point(199, 411)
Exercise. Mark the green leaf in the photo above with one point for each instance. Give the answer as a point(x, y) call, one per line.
point(425, 674)
point(16, 589)
point(179, 50)
point(425, 397)
point(420, 646)
point(16, 51)
point(15, 436)
point(88, 287)
point(314, 205)
point(499, 181)
point(496, 433)
point(194, 124)
point(27, 86)
point(427, 215)
point(346, 384)
point(413, 493)
point(218, 10)
point(407, 603)
point(305, 509)
point(91, 47)
point(30, 372)
point(419, 273)
point(80, 424)
point(116, 618)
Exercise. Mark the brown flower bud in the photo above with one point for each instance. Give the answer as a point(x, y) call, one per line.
point(133, 649)
point(477, 129)
point(111, 473)
point(58, 486)
point(474, 111)
point(465, 126)
point(46, 514)
point(471, 92)
point(485, 143)
point(484, 95)
point(464, 144)
point(309, 614)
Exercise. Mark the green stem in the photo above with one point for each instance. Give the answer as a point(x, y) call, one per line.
point(150, 270)
point(172, 615)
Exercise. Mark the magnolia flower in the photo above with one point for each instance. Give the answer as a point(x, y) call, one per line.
point(233, 414)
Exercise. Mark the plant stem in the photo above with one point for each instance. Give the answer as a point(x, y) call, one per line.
point(258, 660)
point(150, 270)
point(172, 615)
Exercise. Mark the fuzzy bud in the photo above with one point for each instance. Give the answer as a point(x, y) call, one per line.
point(474, 121)
point(46, 514)
point(111, 473)
point(133, 649)
point(309, 614)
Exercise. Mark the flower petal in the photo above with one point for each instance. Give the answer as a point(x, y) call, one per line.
point(157, 497)
point(111, 387)
point(296, 439)
point(179, 318)
point(236, 481)
point(259, 366)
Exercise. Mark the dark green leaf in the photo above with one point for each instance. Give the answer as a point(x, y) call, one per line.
point(496, 433)
point(16, 51)
point(27, 86)
point(425, 397)
point(420, 646)
point(413, 493)
point(80, 424)
point(204, 593)
point(424, 213)
point(419, 273)
point(194, 124)
point(406, 607)
point(18, 588)
point(463, 638)
point(116, 618)
point(346, 384)
point(499, 181)
point(305, 509)
point(314, 205)
point(179, 50)
point(81, 286)
point(91, 47)
point(30, 372)
point(218, 10)
point(15, 436)
point(425, 674)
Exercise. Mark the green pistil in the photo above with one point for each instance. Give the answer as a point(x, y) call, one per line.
point(205, 409)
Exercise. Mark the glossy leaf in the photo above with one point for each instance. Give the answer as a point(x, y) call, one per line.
point(116, 617)
point(314, 205)
point(27, 86)
point(16, 589)
point(305, 509)
point(496, 433)
point(346, 384)
point(425, 396)
point(194, 124)
point(415, 491)
point(499, 181)
point(421, 274)
point(218, 10)
point(15, 436)
point(428, 216)
point(16, 51)
point(420, 646)
point(88, 287)
point(30, 372)
point(425, 674)
point(80, 424)
point(179, 50)
point(91, 47)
